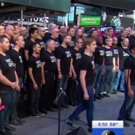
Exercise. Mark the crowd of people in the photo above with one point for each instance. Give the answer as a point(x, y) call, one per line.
point(86, 67)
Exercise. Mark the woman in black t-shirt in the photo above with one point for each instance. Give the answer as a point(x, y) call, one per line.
point(87, 75)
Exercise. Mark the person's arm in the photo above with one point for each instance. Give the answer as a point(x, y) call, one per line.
point(72, 67)
point(30, 69)
point(114, 64)
point(42, 72)
point(26, 53)
point(118, 63)
point(16, 77)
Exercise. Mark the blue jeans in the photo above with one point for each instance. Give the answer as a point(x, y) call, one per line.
point(97, 81)
point(127, 106)
point(87, 105)
point(106, 79)
point(14, 109)
point(119, 78)
point(8, 99)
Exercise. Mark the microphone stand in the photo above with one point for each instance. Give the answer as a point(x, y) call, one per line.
point(58, 101)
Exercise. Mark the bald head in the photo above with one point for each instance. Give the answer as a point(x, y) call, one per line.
point(9, 31)
point(51, 26)
point(41, 31)
point(23, 31)
point(115, 41)
point(9, 27)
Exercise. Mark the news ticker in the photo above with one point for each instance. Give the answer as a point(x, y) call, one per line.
point(107, 127)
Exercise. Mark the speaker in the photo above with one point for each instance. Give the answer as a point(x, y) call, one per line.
point(78, 131)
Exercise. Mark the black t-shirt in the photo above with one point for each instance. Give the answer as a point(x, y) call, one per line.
point(60, 38)
point(123, 54)
point(50, 61)
point(42, 44)
point(99, 55)
point(87, 64)
point(76, 55)
point(11, 44)
point(56, 41)
point(17, 59)
point(47, 36)
point(108, 56)
point(64, 54)
point(129, 63)
point(7, 67)
point(116, 54)
point(28, 46)
point(35, 64)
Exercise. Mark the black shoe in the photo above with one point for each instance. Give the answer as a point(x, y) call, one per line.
point(90, 130)
point(21, 121)
point(122, 91)
point(63, 106)
point(126, 124)
point(130, 119)
point(106, 95)
point(45, 111)
point(52, 110)
point(9, 128)
point(72, 104)
point(99, 98)
point(4, 132)
point(70, 125)
point(16, 123)
point(39, 113)
point(35, 115)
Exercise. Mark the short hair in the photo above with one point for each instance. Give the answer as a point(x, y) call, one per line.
point(49, 41)
point(64, 36)
point(2, 38)
point(15, 24)
point(109, 29)
point(70, 29)
point(16, 37)
point(109, 38)
point(34, 45)
point(77, 39)
point(32, 30)
point(88, 41)
point(92, 31)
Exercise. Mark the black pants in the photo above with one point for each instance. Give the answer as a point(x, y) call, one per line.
point(8, 100)
point(34, 99)
point(47, 91)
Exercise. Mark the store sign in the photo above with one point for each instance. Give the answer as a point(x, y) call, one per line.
point(37, 19)
point(90, 20)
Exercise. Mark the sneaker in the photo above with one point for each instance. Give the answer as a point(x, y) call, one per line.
point(40, 113)
point(35, 115)
point(70, 125)
point(16, 123)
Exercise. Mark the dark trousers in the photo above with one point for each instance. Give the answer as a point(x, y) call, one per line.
point(127, 106)
point(34, 99)
point(87, 105)
point(47, 91)
point(8, 100)
point(14, 109)
point(63, 84)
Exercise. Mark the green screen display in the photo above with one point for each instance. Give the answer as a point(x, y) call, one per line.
point(90, 20)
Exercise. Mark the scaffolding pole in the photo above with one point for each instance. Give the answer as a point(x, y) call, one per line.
point(21, 17)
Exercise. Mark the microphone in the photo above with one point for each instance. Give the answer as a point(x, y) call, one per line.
point(59, 95)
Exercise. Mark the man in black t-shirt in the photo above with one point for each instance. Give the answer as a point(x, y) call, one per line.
point(48, 66)
point(40, 40)
point(109, 67)
point(76, 59)
point(120, 76)
point(33, 33)
point(63, 55)
point(18, 61)
point(34, 71)
point(87, 75)
point(8, 86)
point(128, 104)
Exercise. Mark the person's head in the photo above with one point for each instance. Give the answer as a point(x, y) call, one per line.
point(23, 31)
point(36, 48)
point(115, 41)
point(9, 31)
point(18, 40)
point(82, 28)
point(100, 41)
point(55, 32)
point(84, 35)
point(126, 42)
point(51, 26)
point(128, 30)
point(124, 33)
point(109, 41)
point(4, 43)
point(50, 44)
point(65, 30)
point(75, 26)
point(34, 26)
point(2, 30)
point(41, 31)
point(79, 32)
point(78, 42)
point(71, 31)
point(67, 39)
point(110, 32)
point(33, 33)
point(61, 28)
point(132, 49)
point(98, 31)
point(94, 33)
point(17, 28)
point(90, 44)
